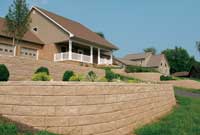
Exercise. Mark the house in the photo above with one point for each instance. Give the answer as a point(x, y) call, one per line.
point(181, 74)
point(195, 71)
point(55, 38)
point(158, 62)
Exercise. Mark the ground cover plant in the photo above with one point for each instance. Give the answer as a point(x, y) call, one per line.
point(184, 120)
point(166, 78)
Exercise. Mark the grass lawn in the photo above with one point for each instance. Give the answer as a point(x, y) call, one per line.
point(8, 127)
point(184, 120)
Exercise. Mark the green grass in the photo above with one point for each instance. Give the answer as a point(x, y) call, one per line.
point(188, 89)
point(184, 120)
point(8, 127)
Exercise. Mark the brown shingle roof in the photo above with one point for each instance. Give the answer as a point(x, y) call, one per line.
point(29, 36)
point(181, 74)
point(127, 62)
point(77, 29)
point(155, 60)
point(136, 56)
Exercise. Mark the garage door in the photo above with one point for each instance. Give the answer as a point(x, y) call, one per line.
point(6, 49)
point(27, 52)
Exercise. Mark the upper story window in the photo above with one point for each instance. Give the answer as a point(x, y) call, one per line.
point(35, 29)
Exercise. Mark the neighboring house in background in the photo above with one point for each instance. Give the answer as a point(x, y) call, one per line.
point(158, 62)
point(181, 74)
point(55, 38)
point(195, 71)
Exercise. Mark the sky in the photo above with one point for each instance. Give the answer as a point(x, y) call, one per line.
point(132, 25)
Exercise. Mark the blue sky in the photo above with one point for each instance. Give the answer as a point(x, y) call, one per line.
point(132, 25)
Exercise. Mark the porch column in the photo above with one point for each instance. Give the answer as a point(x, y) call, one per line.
point(91, 54)
point(111, 57)
point(70, 49)
point(99, 56)
point(15, 50)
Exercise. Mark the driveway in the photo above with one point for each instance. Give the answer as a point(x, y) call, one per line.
point(186, 93)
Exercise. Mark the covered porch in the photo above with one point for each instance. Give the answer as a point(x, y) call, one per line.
point(81, 52)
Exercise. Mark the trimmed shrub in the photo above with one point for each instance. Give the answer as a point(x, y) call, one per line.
point(41, 77)
point(110, 75)
point(133, 69)
point(166, 78)
point(4, 73)
point(42, 70)
point(76, 78)
point(67, 75)
point(91, 76)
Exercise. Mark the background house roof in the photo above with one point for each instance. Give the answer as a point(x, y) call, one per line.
point(126, 62)
point(29, 36)
point(137, 56)
point(155, 60)
point(77, 29)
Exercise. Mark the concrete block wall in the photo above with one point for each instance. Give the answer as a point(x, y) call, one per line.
point(85, 108)
point(22, 69)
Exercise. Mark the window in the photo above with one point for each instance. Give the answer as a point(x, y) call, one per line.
point(161, 64)
point(35, 29)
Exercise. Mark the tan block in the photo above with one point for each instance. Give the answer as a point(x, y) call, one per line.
point(96, 99)
point(31, 100)
point(98, 128)
point(54, 100)
point(6, 109)
point(76, 100)
point(70, 130)
point(67, 110)
point(56, 121)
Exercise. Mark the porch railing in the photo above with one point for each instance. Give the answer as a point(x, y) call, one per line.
point(105, 61)
point(75, 56)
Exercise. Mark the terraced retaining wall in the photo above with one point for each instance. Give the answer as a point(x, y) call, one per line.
point(22, 69)
point(85, 108)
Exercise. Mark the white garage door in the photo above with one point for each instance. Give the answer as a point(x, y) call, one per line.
point(6, 49)
point(27, 52)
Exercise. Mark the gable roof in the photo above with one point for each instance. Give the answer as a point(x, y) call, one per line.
point(29, 36)
point(137, 56)
point(155, 60)
point(77, 29)
point(127, 62)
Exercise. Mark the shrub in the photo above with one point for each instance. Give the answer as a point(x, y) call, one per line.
point(166, 78)
point(42, 70)
point(4, 73)
point(91, 76)
point(132, 69)
point(110, 75)
point(67, 75)
point(8, 129)
point(41, 77)
point(76, 78)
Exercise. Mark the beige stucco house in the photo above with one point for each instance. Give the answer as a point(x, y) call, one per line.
point(158, 62)
point(55, 38)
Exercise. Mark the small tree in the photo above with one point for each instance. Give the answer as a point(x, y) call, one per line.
point(100, 34)
point(92, 76)
point(150, 49)
point(17, 20)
